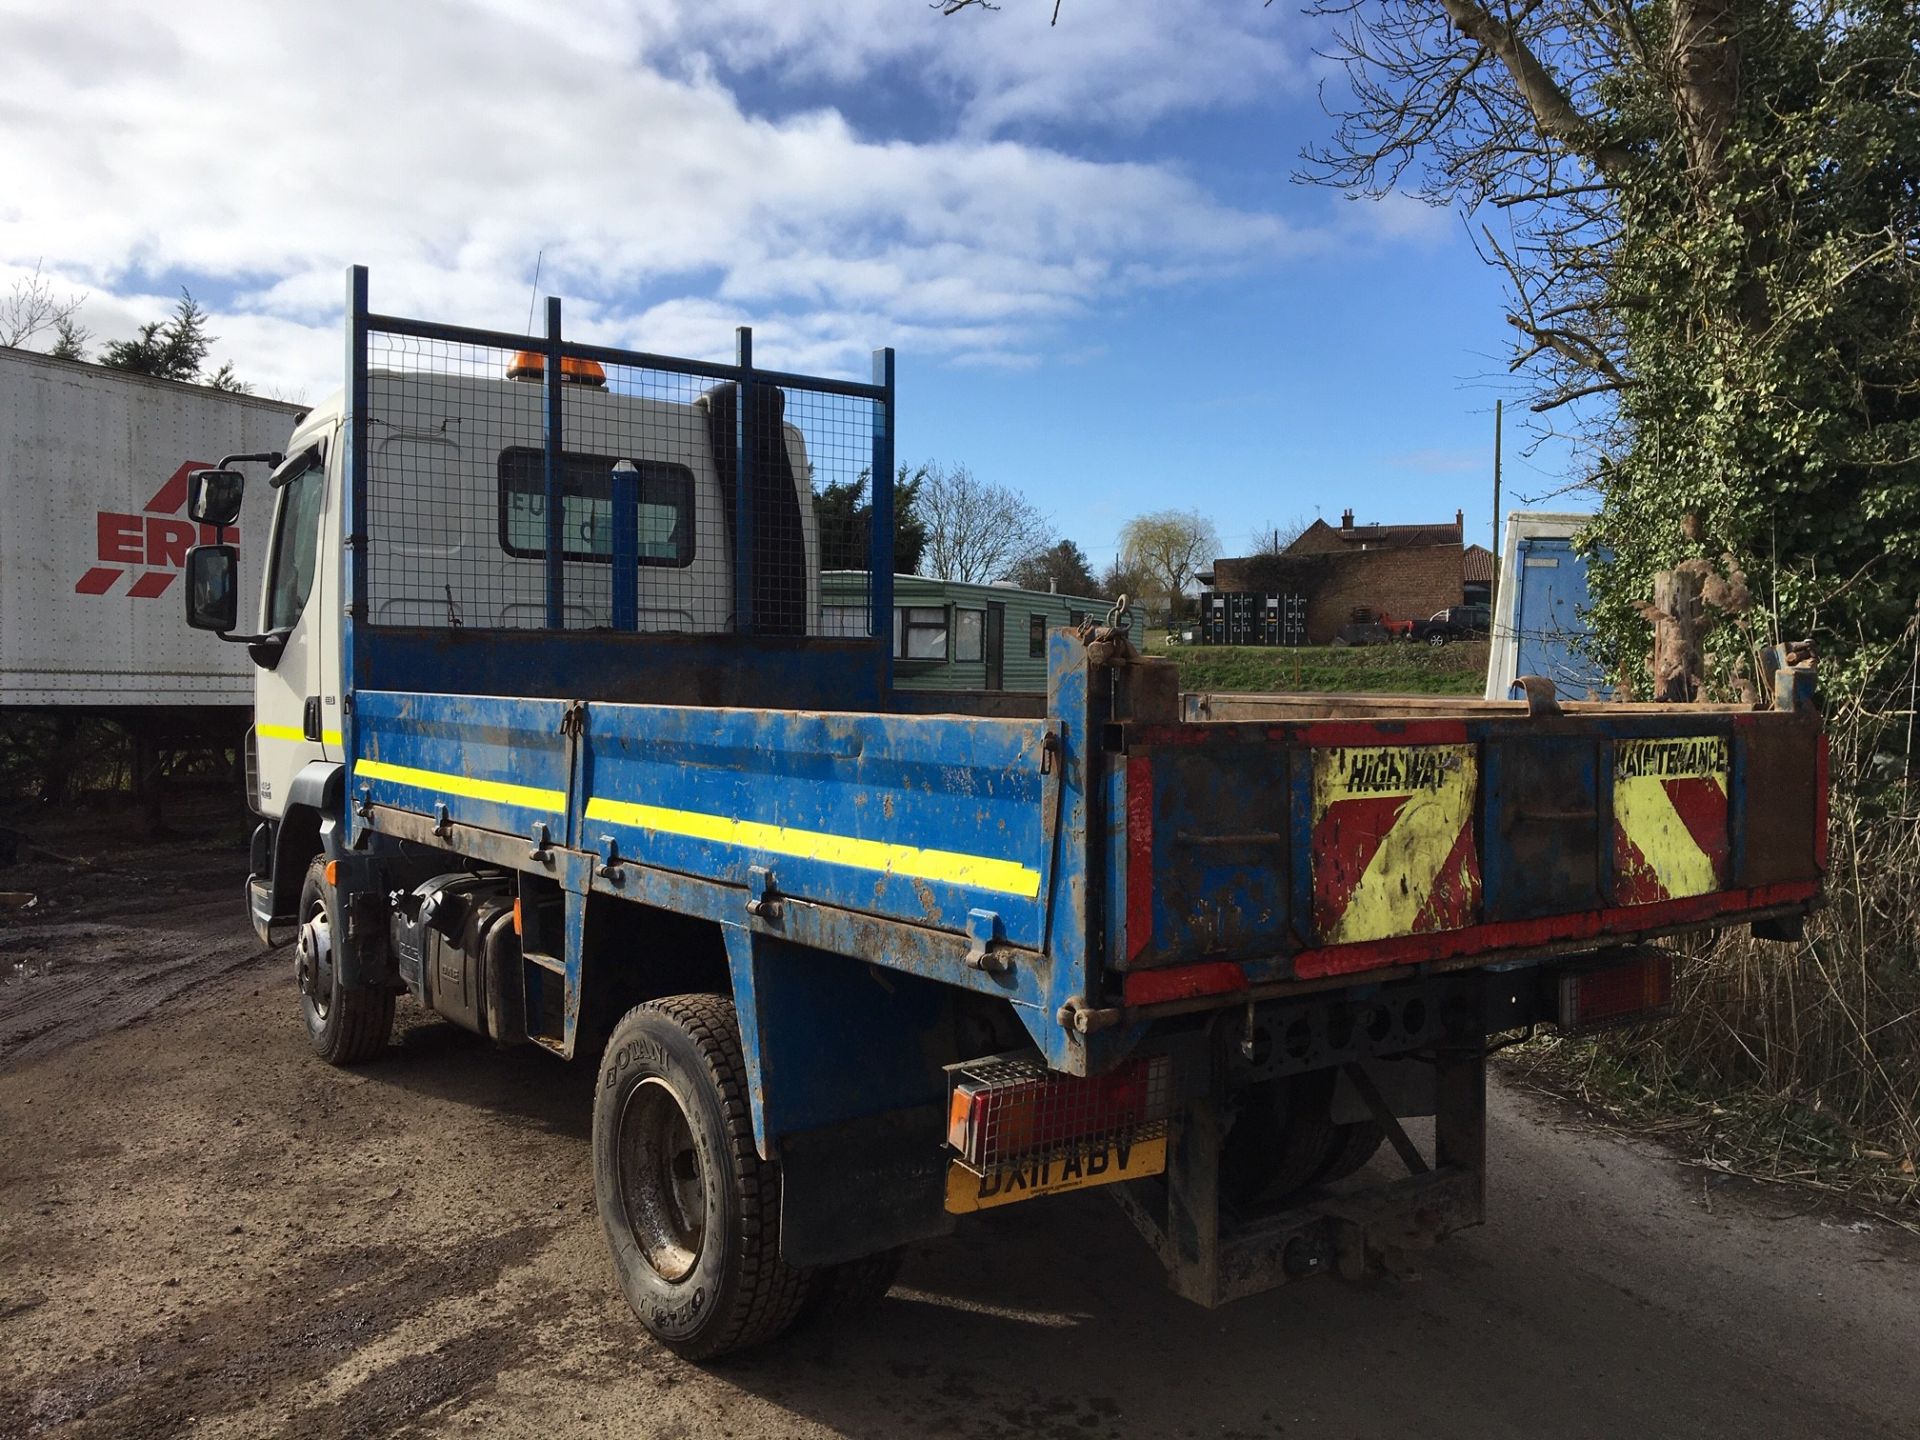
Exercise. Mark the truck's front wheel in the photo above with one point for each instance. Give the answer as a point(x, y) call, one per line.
point(344, 1026)
point(691, 1211)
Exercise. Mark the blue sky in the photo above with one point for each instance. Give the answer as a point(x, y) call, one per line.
point(1084, 242)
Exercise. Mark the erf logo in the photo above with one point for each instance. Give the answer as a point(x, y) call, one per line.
point(154, 542)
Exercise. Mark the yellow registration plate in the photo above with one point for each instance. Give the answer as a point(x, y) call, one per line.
point(1028, 1179)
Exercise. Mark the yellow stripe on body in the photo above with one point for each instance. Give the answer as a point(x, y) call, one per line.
point(978, 871)
point(497, 792)
point(1404, 870)
point(1643, 809)
point(296, 734)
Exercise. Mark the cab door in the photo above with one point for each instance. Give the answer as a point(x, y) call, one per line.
point(291, 718)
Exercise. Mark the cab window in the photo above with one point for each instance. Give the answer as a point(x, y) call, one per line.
point(586, 507)
point(296, 545)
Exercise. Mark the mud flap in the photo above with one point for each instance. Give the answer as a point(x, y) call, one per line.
point(862, 1187)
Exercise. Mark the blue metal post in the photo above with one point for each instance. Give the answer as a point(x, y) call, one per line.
point(353, 522)
point(742, 487)
point(880, 542)
point(554, 438)
point(623, 494)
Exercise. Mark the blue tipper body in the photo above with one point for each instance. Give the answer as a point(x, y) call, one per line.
point(930, 822)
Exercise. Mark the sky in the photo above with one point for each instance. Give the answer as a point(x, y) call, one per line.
point(1084, 241)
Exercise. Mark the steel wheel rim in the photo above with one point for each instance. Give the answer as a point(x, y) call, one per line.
point(663, 1187)
point(313, 959)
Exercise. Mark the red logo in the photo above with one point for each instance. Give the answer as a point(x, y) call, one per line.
point(154, 542)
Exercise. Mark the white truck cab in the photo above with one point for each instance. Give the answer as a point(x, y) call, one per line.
point(475, 555)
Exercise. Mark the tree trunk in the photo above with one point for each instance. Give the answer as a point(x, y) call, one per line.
point(1677, 658)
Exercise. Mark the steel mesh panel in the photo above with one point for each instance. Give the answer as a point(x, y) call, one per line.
point(687, 504)
point(439, 413)
point(831, 437)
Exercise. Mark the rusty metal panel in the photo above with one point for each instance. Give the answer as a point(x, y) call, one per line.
point(1541, 826)
point(1207, 841)
point(1777, 784)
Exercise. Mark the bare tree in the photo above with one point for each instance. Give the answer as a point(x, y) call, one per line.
point(1524, 109)
point(1274, 537)
point(1169, 545)
point(976, 531)
point(34, 305)
point(1125, 578)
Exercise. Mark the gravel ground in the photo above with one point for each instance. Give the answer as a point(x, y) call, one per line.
point(204, 1231)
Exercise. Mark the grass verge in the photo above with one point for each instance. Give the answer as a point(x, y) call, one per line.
point(1778, 1137)
point(1401, 669)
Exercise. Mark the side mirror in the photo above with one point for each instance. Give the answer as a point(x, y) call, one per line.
point(213, 496)
point(213, 585)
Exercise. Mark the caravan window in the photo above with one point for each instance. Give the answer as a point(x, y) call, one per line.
point(586, 487)
point(920, 632)
point(844, 620)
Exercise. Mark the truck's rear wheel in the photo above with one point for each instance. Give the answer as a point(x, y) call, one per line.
point(344, 1026)
point(691, 1211)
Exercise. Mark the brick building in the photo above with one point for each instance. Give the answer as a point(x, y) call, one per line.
point(1403, 571)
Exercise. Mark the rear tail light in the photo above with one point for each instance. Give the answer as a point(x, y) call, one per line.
point(1007, 1108)
point(1639, 989)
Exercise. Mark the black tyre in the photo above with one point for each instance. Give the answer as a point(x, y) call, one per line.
point(691, 1211)
point(840, 1292)
point(344, 1026)
point(1437, 638)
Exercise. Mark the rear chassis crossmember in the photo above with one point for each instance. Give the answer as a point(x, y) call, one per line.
point(1211, 1259)
point(1213, 1255)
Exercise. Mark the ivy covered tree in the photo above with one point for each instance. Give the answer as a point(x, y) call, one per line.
point(1708, 215)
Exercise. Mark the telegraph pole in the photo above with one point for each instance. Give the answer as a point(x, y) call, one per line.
point(1494, 593)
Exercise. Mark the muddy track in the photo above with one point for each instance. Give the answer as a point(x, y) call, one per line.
point(125, 925)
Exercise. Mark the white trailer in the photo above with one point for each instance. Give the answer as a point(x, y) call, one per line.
point(94, 533)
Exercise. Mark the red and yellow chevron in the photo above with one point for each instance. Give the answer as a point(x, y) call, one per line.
point(1393, 848)
point(1670, 836)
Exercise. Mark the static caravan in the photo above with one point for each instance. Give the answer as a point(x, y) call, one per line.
point(949, 635)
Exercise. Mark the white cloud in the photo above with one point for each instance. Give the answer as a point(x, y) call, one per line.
point(255, 150)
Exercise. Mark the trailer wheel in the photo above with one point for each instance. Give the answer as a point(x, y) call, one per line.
point(344, 1026)
point(840, 1292)
point(691, 1211)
